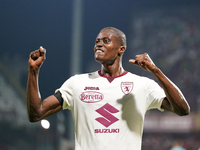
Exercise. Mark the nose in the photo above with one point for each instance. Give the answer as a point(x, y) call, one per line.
point(99, 44)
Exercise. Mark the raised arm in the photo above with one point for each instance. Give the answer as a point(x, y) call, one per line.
point(174, 101)
point(36, 108)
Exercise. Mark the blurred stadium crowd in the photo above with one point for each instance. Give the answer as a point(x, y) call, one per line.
point(172, 39)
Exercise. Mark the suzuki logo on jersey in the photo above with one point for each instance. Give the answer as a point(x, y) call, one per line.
point(106, 111)
point(126, 87)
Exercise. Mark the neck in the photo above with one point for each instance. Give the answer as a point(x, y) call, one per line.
point(113, 70)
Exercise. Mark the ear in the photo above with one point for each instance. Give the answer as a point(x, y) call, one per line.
point(121, 50)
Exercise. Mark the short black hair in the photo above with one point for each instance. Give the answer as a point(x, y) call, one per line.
point(120, 35)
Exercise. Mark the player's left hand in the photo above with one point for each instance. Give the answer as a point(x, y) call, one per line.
point(144, 61)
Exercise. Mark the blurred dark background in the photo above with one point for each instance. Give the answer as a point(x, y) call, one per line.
point(169, 30)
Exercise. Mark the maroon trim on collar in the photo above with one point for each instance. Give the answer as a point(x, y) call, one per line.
point(110, 79)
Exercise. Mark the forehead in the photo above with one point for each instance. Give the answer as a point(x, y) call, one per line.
point(106, 33)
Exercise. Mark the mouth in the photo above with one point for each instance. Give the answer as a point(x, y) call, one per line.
point(98, 50)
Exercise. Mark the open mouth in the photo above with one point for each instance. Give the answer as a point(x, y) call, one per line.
point(98, 51)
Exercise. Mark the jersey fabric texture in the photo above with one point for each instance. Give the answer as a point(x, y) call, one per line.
point(109, 112)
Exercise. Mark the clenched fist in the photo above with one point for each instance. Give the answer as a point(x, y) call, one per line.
point(144, 61)
point(37, 57)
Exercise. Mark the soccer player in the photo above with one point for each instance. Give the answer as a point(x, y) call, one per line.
point(108, 106)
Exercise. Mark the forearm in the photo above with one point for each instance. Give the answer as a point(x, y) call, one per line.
point(178, 103)
point(174, 100)
point(33, 99)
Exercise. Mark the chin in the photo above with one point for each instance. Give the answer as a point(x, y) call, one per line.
point(98, 60)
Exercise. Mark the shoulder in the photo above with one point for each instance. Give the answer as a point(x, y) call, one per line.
point(132, 75)
point(83, 76)
point(143, 81)
point(87, 75)
point(138, 77)
point(76, 80)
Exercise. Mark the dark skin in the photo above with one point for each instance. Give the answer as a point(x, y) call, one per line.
point(108, 52)
point(36, 108)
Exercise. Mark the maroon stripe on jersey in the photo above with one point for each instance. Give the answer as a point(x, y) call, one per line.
point(110, 79)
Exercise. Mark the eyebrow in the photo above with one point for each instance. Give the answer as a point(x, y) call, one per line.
point(102, 38)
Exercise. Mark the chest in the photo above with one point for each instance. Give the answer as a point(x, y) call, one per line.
point(92, 94)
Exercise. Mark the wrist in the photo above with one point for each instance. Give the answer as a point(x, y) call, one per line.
point(32, 69)
point(155, 70)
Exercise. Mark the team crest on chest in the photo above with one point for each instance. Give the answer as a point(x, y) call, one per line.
point(126, 87)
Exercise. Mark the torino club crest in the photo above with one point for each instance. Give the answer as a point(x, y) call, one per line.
point(126, 87)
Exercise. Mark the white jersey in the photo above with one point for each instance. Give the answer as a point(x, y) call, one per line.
point(109, 112)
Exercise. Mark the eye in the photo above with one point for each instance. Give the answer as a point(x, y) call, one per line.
point(97, 40)
point(106, 41)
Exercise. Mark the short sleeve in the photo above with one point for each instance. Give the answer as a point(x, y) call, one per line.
point(155, 95)
point(67, 93)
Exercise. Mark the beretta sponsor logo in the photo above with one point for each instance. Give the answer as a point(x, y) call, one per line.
point(91, 97)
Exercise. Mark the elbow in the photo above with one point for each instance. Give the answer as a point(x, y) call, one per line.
point(33, 115)
point(187, 112)
point(33, 118)
point(183, 109)
point(184, 112)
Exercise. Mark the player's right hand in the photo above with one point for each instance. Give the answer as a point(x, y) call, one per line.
point(37, 57)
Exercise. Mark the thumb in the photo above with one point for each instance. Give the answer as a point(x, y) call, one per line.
point(133, 61)
point(42, 52)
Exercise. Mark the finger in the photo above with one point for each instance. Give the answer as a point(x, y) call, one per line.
point(34, 55)
point(133, 61)
point(138, 56)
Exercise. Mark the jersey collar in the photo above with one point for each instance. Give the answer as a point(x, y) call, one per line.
point(110, 79)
